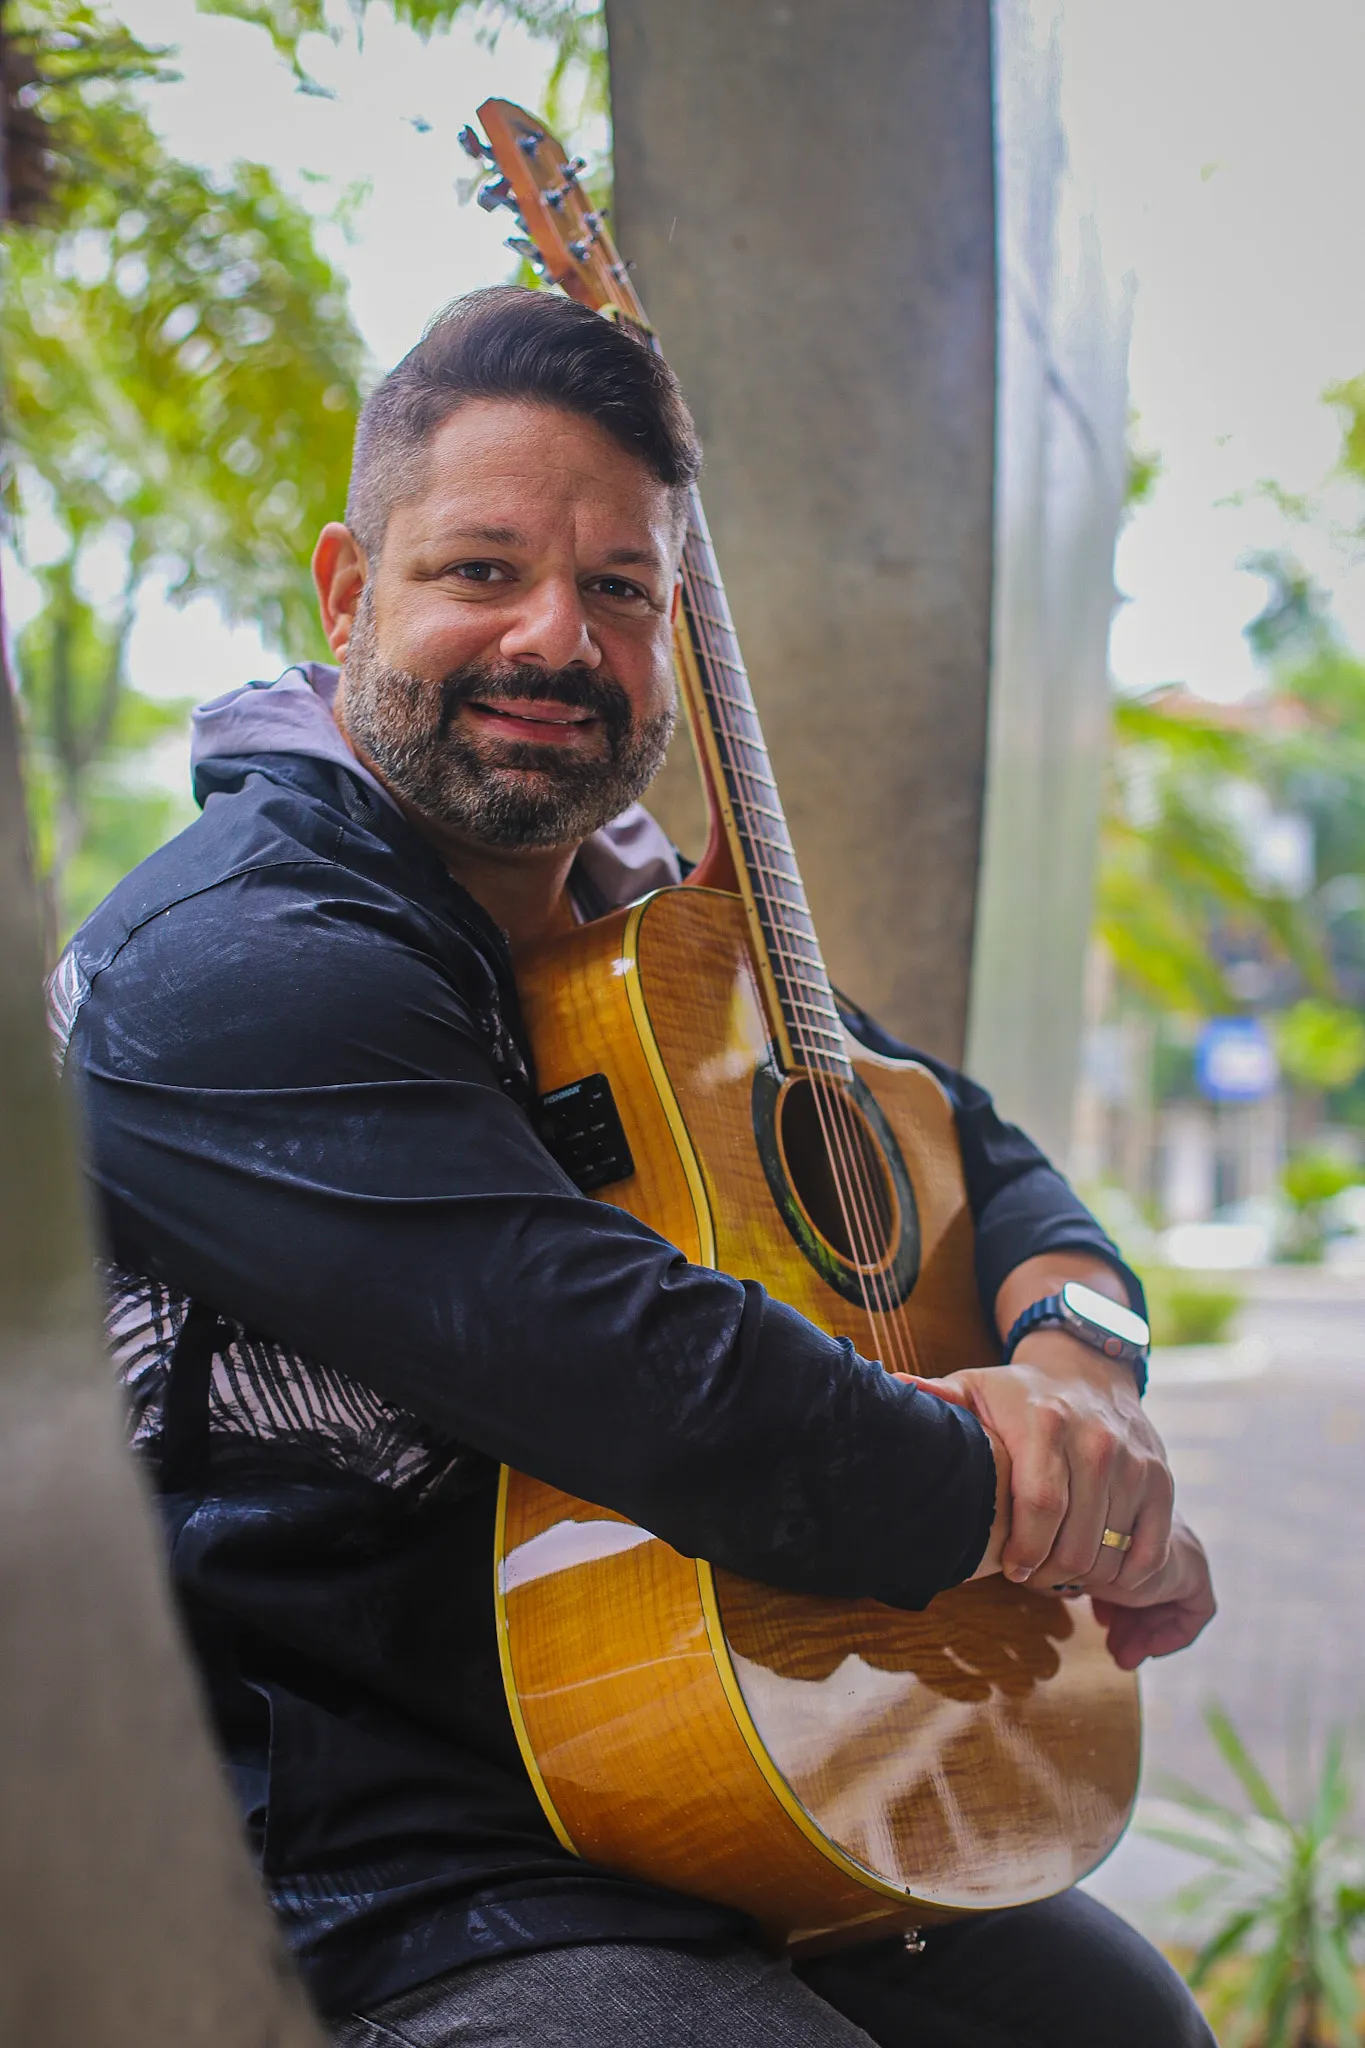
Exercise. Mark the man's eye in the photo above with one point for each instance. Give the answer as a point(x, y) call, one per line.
point(617, 586)
point(476, 572)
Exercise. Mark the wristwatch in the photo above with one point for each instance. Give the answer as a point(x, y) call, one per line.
point(1099, 1322)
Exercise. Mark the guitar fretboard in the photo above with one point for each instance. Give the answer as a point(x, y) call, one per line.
point(760, 841)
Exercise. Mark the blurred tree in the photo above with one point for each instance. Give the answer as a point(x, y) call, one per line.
point(576, 91)
point(1181, 903)
point(183, 377)
point(182, 380)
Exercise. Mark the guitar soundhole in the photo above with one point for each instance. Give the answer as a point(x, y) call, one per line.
point(835, 1168)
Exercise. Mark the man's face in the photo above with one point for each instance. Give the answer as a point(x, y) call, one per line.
point(508, 666)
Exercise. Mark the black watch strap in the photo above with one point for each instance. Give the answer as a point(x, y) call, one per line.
point(1053, 1312)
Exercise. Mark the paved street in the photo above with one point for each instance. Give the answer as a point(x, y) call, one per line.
point(1269, 1457)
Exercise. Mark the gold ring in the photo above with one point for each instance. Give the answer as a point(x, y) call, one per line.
point(1114, 1539)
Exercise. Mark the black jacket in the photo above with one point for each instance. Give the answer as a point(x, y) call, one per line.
point(308, 1108)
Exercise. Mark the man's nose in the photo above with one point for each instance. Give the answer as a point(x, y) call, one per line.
point(551, 627)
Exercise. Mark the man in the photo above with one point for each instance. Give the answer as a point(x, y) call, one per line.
point(346, 1279)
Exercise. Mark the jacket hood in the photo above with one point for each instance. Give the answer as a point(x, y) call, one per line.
point(293, 715)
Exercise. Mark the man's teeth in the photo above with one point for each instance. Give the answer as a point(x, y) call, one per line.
point(538, 717)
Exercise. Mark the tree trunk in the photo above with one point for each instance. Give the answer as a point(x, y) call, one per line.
point(130, 1911)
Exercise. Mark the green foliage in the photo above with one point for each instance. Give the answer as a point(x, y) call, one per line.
point(1289, 1894)
point(87, 742)
point(1144, 470)
point(1321, 1045)
point(181, 363)
point(1184, 1309)
point(1175, 869)
point(182, 383)
point(1311, 1180)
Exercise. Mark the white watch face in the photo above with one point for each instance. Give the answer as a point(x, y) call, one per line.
point(1106, 1314)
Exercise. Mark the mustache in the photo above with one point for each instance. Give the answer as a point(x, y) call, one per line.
point(578, 688)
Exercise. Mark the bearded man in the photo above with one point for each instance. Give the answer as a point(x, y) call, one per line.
point(346, 1279)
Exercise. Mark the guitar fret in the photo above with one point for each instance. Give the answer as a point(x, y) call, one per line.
point(809, 974)
point(782, 916)
point(775, 851)
point(825, 1010)
point(794, 957)
point(744, 704)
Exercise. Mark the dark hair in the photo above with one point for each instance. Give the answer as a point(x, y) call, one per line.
point(508, 342)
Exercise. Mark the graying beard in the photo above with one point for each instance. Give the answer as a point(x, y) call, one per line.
point(447, 782)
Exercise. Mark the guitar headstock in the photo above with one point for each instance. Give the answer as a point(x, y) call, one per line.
point(564, 235)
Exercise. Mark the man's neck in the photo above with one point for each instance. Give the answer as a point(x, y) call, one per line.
point(523, 891)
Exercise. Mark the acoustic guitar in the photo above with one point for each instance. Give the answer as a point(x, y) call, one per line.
point(836, 1769)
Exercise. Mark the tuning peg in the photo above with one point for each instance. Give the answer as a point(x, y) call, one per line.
point(580, 251)
point(473, 144)
point(530, 143)
point(520, 246)
point(497, 192)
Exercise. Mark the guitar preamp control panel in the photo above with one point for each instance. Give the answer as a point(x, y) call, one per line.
point(580, 1127)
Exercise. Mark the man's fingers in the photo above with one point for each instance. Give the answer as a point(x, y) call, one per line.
point(1136, 1633)
point(1039, 1496)
point(946, 1389)
point(1151, 1530)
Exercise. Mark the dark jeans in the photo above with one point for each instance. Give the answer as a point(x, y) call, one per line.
point(1064, 1974)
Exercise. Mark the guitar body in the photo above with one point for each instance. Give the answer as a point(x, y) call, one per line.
point(834, 1769)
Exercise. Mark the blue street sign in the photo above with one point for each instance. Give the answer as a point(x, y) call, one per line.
point(1234, 1060)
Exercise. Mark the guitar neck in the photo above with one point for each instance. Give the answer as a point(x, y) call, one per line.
point(730, 743)
point(573, 249)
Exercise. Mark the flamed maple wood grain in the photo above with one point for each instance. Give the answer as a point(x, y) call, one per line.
point(833, 1768)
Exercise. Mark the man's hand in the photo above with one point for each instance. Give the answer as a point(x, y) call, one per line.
point(1083, 1458)
point(1166, 1612)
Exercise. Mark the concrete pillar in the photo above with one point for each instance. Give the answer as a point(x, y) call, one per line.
point(807, 191)
point(1061, 469)
point(129, 1913)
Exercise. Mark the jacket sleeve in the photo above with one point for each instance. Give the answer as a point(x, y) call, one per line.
point(290, 1116)
point(1020, 1203)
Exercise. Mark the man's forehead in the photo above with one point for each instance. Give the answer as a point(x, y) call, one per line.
point(504, 473)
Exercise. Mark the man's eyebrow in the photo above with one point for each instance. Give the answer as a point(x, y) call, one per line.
point(639, 558)
point(496, 536)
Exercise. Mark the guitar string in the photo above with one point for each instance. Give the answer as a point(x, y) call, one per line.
point(840, 1136)
point(706, 648)
point(844, 1142)
point(838, 1131)
point(842, 1148)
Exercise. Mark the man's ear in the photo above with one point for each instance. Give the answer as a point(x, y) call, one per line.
point(339, 571)
point(677, 600)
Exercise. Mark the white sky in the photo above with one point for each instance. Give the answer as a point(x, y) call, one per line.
point(1214, 141)
point(1218, 144)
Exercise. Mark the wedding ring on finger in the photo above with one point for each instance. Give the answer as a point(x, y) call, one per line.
point(1114, 1539)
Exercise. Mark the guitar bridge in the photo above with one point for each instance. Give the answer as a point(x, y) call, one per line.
point(580, 1127)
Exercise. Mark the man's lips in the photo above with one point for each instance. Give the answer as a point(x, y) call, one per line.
point(532, 718)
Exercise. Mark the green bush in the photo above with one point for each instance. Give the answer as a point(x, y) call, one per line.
point(1311, 1179)
point(1187, 1310)
point(1283, 1896)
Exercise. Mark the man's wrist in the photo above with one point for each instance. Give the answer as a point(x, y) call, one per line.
point(1105, 1326)
point(1063, 1356)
